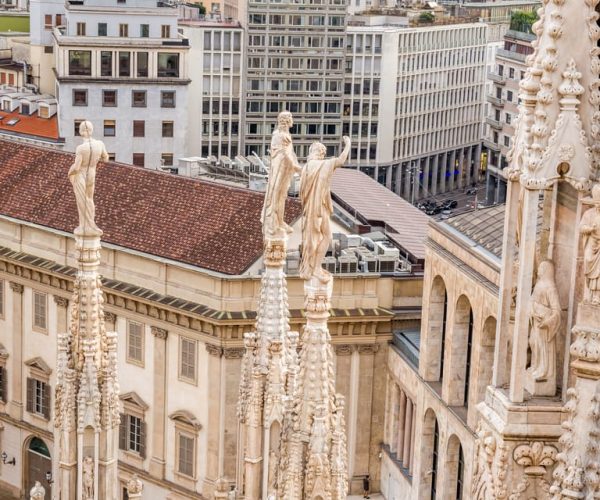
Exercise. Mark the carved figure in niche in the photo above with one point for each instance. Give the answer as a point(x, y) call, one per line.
point(272, 487)
point(82, 175)
point(134, 485)
point(544, 318)
point(590, 229)
point(317, 207)
point(284, 164)
point(37, 492)
point(88, 478)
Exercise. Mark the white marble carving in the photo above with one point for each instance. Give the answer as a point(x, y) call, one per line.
point(315, 185)
point(590, 230)
point(37, 492)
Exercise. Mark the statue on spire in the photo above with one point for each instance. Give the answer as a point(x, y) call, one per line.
point(284, 164)
point(315, 185)
point(82, 175)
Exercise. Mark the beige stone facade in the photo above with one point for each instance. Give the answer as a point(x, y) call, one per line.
point(180, 345)
point(431, 401)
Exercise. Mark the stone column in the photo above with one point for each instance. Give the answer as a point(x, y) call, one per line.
point(388, 177)
point(399, 447)
point(15, 409)
point(406, 461)
point(461, 168)
point(62, 305)
point(365, 401)
point(425, 189)
point(214, 415)
point(229, 444)
point(435, 174)
point(452, 167)
point(412, 440)
point(159, 406)
point(524, 285)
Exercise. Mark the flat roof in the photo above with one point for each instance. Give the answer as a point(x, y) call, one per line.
point(363, 196)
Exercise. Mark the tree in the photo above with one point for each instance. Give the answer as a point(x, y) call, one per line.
point(426, 17)
point(202, 9)
point(522, 21)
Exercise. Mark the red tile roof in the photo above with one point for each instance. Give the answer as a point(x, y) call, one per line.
point(197, 222)
point(30, 126)
point(365, 197)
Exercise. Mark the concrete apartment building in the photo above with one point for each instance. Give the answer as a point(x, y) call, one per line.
point(215, 105)
point(503, 107)
point(180, 308)
point(124, 66)
point(413, 105)
point(295, 57)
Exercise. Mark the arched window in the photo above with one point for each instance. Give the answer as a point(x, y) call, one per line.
point(460, 474)
point(434, 464)
point(443, 343)
point(468, 364)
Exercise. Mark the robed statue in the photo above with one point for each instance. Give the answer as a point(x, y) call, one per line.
point(284, 164)
point(82, 175)
point(590, 230)
point(544, 318)
point(317, 207)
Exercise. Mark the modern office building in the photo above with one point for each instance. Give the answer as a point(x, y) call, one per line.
point(413, 105)
point(509, 70)
point(216, 97)
point(295, 57)
point(124, 67)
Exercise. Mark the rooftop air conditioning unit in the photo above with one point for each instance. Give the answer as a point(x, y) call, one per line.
point(347, 263)
point(387, 263)
point(330, 264)
point(386, 248)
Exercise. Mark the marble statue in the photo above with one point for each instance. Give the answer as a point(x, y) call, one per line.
point(590, 229)
point(37, 492)
point(317, 208)
point(272, 484)
point(88, 478)
point(82, 175)
point(283, 166)
point(544, 318)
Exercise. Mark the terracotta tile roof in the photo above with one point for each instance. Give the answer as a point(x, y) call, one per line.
point(197, 222)
point(405, 224)
point(30, 126)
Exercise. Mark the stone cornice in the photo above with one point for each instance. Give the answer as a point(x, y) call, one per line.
point(206, 322)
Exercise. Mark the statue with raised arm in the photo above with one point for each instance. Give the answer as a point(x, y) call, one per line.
point(317, 207)
point(544, 318)
point(284, 164)
point(590, 230)
point(82, 175)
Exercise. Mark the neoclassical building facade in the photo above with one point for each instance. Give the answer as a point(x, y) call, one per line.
point(180, 308)
point(437, 377)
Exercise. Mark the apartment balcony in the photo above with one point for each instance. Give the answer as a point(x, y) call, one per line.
point(496, 78)
point(494, 123)
point(496, 101)
point(491, 145)
point(513, 56)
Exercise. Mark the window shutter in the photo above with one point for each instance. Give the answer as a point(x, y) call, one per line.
point(3, 373)
point(46, 396)
point(30, 392)
point(142, 439)
point(123, 427)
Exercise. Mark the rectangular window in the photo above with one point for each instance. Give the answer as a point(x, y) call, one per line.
point(102, 29)
point(165, 31)
point(109, 98)
point(124, 63)
point(80, 29)
point(138, 159)
point(76, 124)
point(142, 64)
point(38, 397)
point(80, 97)
point(40, 310)
point(80, 62)
point(168, 65)
point(167, 99)
point(3, 374)
point(135, 342)
point(110, 128)
point(59, 20)
point(167, 129)
point(106, 68)
point(1, 298)
point(139, 128)
point(138, 98)
point(123, 30)
point(48, 22)
point(49, 49)
point(187, 359)
point(144, 30)
point(166, 159)
point(132, 434)
point(186, 455)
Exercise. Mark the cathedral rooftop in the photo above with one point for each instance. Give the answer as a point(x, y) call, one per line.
point(196, 222)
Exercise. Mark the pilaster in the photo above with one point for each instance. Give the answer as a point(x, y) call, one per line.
point(158, 458)
point(15, 409)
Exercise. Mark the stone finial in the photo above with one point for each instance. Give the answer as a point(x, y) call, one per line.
point(37, 492)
